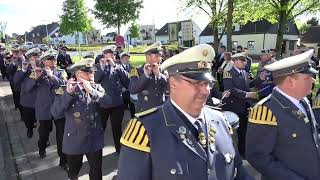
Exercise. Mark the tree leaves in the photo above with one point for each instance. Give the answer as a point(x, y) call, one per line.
point(114, 13)
point(134, 31)
point(74, 17)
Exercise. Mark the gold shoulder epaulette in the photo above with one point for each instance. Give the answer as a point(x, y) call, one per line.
point(135, 136)
point(133, 73)
point(227, 75)
point(316, 103)
point(33, 75)
point(59, 91)
point(143, 113)
point(262, 115)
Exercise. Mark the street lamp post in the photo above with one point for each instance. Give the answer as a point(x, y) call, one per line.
point(47, 34)
point(46, 31)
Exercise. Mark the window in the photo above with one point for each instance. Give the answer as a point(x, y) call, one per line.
point(38, 34)
point(250, 45)
point(291, 45)
point(33, 35)
point(84, 39)
point(287, 28)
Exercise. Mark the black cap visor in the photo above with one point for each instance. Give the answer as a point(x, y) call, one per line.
point(199, 76)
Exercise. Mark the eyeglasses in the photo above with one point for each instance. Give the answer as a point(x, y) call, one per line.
point(199, 84)
point(243, 60)
point(87, 73)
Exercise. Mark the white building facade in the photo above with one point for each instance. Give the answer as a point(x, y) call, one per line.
point(256, 41)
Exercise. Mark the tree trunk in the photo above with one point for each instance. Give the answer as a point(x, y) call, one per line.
point(214, 25)
point(216, 41)
point(229, 25)
point(78, 37)
point(119, 26)
point(283, 20)
point(118, 16)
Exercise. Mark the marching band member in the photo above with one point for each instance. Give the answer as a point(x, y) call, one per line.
point(79, 102)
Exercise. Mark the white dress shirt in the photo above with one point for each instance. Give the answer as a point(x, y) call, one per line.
point(295, 101)
point(190, 118)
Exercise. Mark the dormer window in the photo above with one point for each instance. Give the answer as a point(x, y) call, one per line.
point(287, 28)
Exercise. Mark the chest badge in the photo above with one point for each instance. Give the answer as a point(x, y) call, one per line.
point(212, 132)
point(228, 158)
point(76, 114)
point(202, 139)
point(299, 114)
point(182, 132)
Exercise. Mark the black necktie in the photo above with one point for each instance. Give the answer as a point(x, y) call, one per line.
point(107, 69)
point(311, 121)
point(242, 74)
point(224, 66)
point(306, 108)
point(201, 135)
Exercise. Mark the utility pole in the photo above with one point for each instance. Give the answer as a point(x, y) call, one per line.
point(47, 34)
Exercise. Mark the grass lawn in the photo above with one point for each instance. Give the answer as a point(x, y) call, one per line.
point(137, 60)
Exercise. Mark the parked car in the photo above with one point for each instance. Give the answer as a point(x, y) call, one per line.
point(29, 45)
point(43, 47)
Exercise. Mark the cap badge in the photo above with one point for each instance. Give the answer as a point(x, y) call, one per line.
point(205, 53)
point(203, 64)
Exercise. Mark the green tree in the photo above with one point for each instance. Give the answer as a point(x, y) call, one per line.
point(114, 13)
point(281, 11)
point(302, 27)
point(216, 10)
point(3, 27)
point(47, 40)
point(74, 17)
point(134, 31)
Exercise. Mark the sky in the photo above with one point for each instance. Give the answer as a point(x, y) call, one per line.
point(21, 15)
